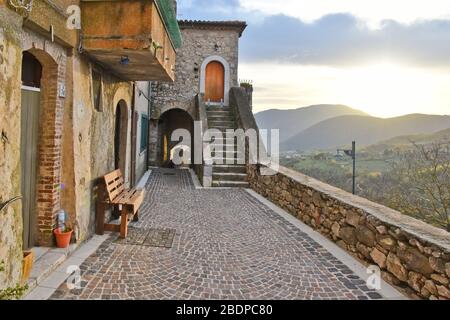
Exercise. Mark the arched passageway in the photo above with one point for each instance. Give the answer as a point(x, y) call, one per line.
point(170, 121)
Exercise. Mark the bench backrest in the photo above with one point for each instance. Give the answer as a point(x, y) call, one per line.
point(114, 184)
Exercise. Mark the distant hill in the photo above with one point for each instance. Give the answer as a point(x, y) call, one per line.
point(291, 122)
point(406, 141)
point(366, 130)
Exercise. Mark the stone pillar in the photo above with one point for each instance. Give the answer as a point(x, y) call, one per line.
point(249, 92)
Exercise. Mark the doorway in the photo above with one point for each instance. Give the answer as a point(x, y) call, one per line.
point(169, 122)
point(30, 112)
point(215, 82)
point(120, 137)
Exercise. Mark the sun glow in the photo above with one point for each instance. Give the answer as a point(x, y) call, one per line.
point(380, 89)
point(388, 89)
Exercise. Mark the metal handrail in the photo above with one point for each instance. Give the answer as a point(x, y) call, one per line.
point(7, 203)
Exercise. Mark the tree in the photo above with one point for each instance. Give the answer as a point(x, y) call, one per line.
point(422, 183)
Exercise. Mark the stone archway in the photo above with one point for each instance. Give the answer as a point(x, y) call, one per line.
point(226, 80)
point(170, 121)
point(42, 193)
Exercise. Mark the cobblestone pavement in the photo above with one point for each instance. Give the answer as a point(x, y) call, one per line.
point(226, 245)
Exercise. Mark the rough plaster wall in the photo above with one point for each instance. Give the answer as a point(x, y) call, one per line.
point(82, 113)
point(11, 218)
point(197, 46)
point(68, 198)
point(93, 138)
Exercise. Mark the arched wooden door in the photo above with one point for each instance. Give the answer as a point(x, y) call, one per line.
point(215, 82)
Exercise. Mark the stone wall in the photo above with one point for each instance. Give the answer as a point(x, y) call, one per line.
point(411, 254)
point(198, 44)
point(11, 217)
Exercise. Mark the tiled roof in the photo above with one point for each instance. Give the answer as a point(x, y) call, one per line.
point(220, 25)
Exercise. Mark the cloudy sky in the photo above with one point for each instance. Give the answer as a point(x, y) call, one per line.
point(385, 57)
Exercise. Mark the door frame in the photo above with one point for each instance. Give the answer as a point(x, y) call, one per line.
point(227, 82)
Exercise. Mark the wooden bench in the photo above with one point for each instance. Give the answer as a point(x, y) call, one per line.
point(112, 193)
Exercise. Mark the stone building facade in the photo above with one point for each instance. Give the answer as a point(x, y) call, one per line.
point(88, 119)
point(203, 42)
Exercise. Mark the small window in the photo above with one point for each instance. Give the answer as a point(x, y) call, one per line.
point(144, 133)
point(97, 90)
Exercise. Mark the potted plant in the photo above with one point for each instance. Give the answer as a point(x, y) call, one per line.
point(63, 236)
point(27, 265)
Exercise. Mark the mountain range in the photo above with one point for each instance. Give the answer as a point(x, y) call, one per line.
point(291, 122)
point(405, 142)
point(325, 127)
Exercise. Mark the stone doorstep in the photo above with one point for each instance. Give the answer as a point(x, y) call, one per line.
point(50, 267)
point(46, 263)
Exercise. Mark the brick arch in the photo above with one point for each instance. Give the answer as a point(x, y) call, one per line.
point(122, 99)
point(48, 189)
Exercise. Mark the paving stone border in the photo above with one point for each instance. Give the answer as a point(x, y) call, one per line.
point(411, 254)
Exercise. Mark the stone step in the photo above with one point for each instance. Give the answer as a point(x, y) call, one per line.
point(230, 177)
point(229, 161)
point(221, 128)
point(219, 114)
point(225, 146)
point(224, 141)
point(230, 184)
point(221, 123)
point(228, 154)
point(225, 168)
point(217, 108)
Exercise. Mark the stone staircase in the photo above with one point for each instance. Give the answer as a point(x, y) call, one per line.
point(226, 175)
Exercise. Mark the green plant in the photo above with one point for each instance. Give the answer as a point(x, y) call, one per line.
point(11, 293)
point(66, 230)
point(14, 293)
point(246, 83)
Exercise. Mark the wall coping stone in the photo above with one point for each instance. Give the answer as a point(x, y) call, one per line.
point(414, 227)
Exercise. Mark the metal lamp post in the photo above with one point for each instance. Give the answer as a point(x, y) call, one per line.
point(351, 153)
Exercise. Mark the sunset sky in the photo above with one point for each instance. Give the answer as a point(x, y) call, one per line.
point(387, 58)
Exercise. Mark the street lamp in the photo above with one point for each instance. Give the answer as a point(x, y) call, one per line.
point(351, 153)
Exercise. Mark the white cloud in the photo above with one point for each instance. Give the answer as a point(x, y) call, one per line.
point(372, 11)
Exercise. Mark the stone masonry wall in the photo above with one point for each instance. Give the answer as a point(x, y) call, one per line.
point(198, 44)
point(412, 255)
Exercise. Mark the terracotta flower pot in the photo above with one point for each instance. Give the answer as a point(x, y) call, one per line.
point(62, 238)
point(27, 265)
